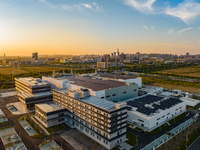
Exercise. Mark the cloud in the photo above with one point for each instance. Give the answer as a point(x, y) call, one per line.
point(148, 28)
point(199, 28)
point(144, 26)
point(171, 31)
point(186, 11)
point(186, 29)
point(81, 6)
point(144, 6)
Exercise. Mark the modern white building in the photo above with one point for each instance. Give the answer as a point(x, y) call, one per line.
point(102, 120)
point(150, 111)
point(105, 88)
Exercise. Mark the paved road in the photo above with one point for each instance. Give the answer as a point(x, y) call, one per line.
point(195, 145)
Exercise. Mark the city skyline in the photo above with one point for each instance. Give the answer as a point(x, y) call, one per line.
point(98, 27)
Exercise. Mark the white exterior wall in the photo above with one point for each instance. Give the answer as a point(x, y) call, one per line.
point(54, 81)
point(151, 122)
point(99, 93)
point(137, 80)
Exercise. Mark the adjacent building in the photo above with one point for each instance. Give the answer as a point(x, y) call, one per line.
point(102, 120)
point(33, 91)
point(150, 111)
point(105, 88)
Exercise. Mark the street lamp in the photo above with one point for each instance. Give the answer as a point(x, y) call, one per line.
point(61, 143)
point(187, 138)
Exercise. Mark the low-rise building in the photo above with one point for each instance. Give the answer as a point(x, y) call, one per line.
point(150, 111)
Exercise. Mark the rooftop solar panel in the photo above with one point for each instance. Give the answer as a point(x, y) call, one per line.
point(104, 104)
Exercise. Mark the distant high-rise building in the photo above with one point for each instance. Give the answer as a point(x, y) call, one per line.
point(4, 55)
point(187, 54)
point(35, 56)
point(106, 57)
point(137, 55)
point(118, 52)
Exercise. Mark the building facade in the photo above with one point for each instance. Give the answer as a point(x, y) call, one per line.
point(33, 91)
point(150, 111)
point(103, 121)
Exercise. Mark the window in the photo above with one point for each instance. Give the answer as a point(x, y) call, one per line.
point(62, 114)
point(107, 96)
point(141, 120)
point(59, 120)
point(102, 97)
point(114, 95)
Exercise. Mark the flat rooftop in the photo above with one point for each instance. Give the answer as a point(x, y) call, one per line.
point(49, 107)
point(93, 100)
point(91, 83)
point(112, 76)
point(150, 104)
point(102, 103)
point(29, 95)
point(33, 81)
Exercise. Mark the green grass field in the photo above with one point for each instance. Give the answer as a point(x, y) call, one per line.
point(187, 71)
point(172, 84)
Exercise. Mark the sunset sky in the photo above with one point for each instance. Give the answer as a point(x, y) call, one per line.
point(99, 26)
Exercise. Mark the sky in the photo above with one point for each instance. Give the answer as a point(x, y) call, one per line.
point(99, 26)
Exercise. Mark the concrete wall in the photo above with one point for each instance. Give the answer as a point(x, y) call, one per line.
point(122, 93)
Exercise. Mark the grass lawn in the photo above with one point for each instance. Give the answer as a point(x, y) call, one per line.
point(132, 139)
point(162, 127)
point(55, 128)
point(6, 127)
point(178, 118)
point(187, 71)
point(172, 84)
point(138, 129)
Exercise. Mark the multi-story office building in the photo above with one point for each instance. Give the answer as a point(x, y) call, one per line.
point(102, 120)
point(33, 91)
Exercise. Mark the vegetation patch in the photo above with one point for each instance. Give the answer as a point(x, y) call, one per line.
point(178, 118)
point(162, 127)
point(132, 139)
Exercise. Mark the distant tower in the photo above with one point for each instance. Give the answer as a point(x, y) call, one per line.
point(118, 52)
point(18, 67)
point(4, 55)
point(35, 56)
point(54, 73)
point(71, 71)
point(13, 71)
